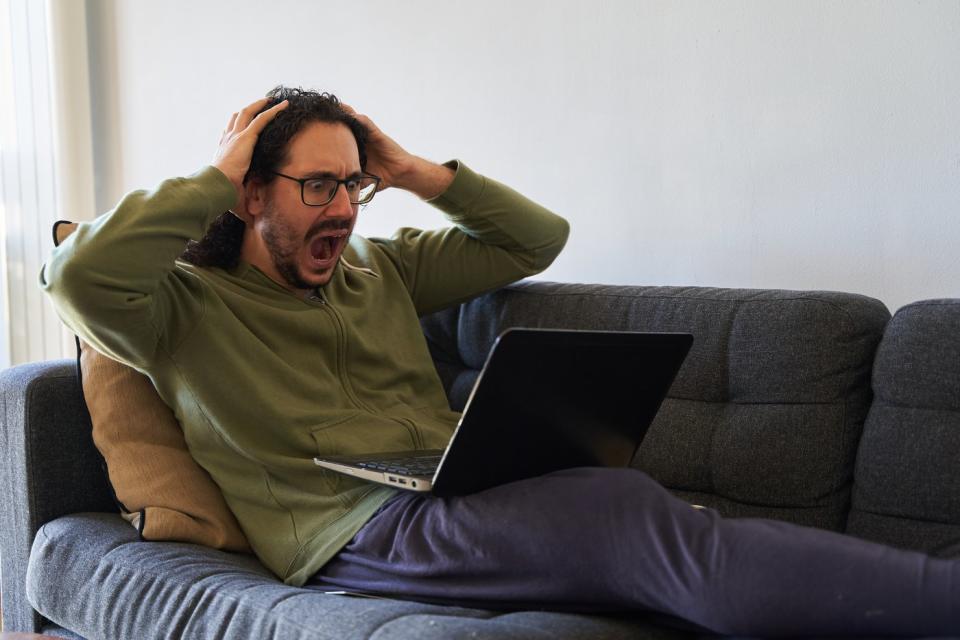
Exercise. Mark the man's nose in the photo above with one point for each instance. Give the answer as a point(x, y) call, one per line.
point(340, 206)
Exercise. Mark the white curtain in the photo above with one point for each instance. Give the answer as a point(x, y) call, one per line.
point(46, 162)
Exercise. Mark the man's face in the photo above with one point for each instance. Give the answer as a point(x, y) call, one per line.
point(304, 243)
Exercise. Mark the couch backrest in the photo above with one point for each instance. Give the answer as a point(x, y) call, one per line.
point(907, 484)
point(764, 417)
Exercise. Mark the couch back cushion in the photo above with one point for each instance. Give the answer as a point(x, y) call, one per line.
point(907, 489)
point(160, 489)
point(764, 417)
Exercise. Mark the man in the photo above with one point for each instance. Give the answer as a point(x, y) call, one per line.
point(281, 335)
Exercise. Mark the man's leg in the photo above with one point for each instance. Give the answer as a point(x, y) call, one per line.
point(614, 540)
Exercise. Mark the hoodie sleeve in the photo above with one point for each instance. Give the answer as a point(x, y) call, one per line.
point(498, 237)
point(114, 281)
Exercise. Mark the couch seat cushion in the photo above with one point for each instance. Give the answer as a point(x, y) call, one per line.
point(91, 573)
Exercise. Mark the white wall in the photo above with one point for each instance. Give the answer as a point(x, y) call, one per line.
point(811, 145)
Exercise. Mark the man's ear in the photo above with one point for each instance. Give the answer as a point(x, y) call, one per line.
point(252, 200)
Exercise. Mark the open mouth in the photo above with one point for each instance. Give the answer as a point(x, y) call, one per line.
point(326, 249)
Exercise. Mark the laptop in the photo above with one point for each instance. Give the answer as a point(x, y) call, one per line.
point(545, 400)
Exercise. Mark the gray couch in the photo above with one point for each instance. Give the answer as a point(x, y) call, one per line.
point(811, 407)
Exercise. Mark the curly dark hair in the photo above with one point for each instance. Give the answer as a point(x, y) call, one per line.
point(220, 245)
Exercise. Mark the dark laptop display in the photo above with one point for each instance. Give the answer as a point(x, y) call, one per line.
point(546, 400)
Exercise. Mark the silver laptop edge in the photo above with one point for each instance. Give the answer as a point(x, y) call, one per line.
point(410, 483)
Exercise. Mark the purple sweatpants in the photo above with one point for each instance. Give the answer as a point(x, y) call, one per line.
point(594, 539)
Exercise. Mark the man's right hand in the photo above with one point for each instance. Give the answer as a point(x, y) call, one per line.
point(237, 143)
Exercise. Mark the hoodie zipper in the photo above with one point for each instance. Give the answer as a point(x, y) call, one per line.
point(320, 298)
point(341, 358)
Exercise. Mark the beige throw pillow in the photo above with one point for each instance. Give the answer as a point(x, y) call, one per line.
point(162, 490)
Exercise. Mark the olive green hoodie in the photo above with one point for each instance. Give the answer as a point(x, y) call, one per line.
point(263, 380)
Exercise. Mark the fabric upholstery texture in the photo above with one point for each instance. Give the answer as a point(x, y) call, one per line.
point(163, 492)
point(92, 572)
point(764, 416)
point(907, 486)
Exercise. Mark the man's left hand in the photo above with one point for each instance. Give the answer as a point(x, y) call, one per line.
point(396, 167)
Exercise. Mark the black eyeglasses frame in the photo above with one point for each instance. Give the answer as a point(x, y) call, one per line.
point(333, 194)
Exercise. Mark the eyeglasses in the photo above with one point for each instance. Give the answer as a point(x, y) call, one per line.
point(316, 192)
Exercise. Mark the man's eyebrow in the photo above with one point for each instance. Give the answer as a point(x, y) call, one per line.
point(315, 175)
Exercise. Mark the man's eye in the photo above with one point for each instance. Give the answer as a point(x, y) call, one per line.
point(316, 185)
point(352, 185)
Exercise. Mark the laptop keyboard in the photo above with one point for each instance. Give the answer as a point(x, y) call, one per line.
point(413, 466)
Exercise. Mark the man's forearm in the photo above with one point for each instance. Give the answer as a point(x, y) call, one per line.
point(425, 179)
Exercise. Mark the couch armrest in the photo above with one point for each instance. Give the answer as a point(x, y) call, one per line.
point(48, 467)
